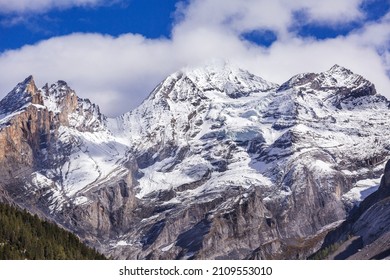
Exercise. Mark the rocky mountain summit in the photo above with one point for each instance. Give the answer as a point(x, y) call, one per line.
point(216, 163)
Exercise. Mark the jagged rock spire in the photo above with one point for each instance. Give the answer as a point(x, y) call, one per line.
point(24, 93)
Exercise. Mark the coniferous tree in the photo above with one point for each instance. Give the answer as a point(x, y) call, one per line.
point(23, 236)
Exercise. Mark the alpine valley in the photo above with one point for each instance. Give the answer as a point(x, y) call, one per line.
point(216, 163)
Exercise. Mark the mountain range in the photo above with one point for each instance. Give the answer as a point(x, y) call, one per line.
point(216, 163)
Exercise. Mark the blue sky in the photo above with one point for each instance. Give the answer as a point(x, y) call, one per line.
point(111, 51)
point(137, 16)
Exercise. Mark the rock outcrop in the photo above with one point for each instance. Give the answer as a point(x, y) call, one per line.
point(368, 227)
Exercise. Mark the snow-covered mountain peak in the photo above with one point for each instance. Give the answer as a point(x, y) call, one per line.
point(338, 76)
point(58, 89)
point(217, 77)
point(23, 94)
point(57, 96)
point(338, 83)
point(58, 99)
point(29, 81)
point(27, 85)
point(225, 77)
point(191, 101)
point(337, 69)
point(76, 112)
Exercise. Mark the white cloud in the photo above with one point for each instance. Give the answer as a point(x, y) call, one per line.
point(376, 34)
point(23, 6)
point(119, 72)
point(276, 15)
point(113, 72)
point(329, 11)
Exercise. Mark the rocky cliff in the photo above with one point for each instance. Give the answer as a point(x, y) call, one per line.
point(365, 234)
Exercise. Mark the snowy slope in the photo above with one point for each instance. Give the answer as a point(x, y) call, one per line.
point(241, 130)
point(202, 113)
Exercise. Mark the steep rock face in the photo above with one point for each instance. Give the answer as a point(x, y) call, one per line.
point(216, 163)
point(373, 225)
point(25, 131)
point(365, 233)
point(35, 139)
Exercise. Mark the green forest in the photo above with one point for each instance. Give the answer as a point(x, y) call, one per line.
point(24, 236)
